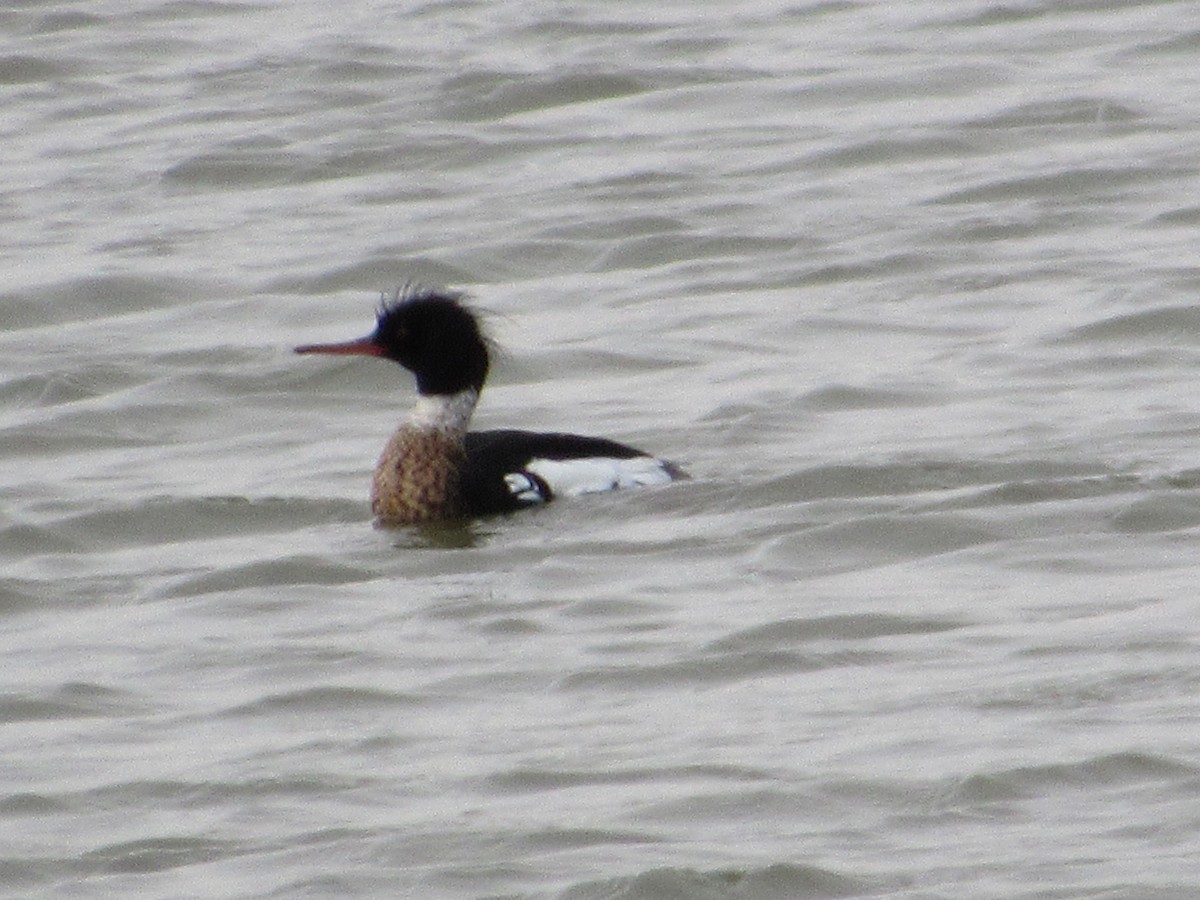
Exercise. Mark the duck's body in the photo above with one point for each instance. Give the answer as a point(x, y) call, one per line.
point(433, 468)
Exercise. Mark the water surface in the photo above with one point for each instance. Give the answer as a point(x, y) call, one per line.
point(909, 289)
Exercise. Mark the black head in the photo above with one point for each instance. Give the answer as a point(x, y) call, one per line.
point(429, 332)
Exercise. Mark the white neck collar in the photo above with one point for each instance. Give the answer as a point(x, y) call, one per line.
point(444, 412)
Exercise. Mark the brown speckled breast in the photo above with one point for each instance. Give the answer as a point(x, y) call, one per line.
point(417, 478)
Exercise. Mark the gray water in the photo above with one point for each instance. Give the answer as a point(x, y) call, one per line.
point(910, 288)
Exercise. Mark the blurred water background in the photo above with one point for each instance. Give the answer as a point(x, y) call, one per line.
point(909, 287)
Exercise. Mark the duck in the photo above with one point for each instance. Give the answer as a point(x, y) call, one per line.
point(434, 468)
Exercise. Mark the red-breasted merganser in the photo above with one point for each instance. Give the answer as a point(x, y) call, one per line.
point(433, 469)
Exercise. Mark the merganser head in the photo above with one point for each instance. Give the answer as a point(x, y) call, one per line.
point(429, 332)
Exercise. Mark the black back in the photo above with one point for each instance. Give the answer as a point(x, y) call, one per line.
point(491, 455)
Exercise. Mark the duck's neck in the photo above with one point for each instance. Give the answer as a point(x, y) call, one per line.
point(419, 473)
point(449, 414)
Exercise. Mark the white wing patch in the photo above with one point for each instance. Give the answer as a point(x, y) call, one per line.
point(592, 475)
point(524, 488)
